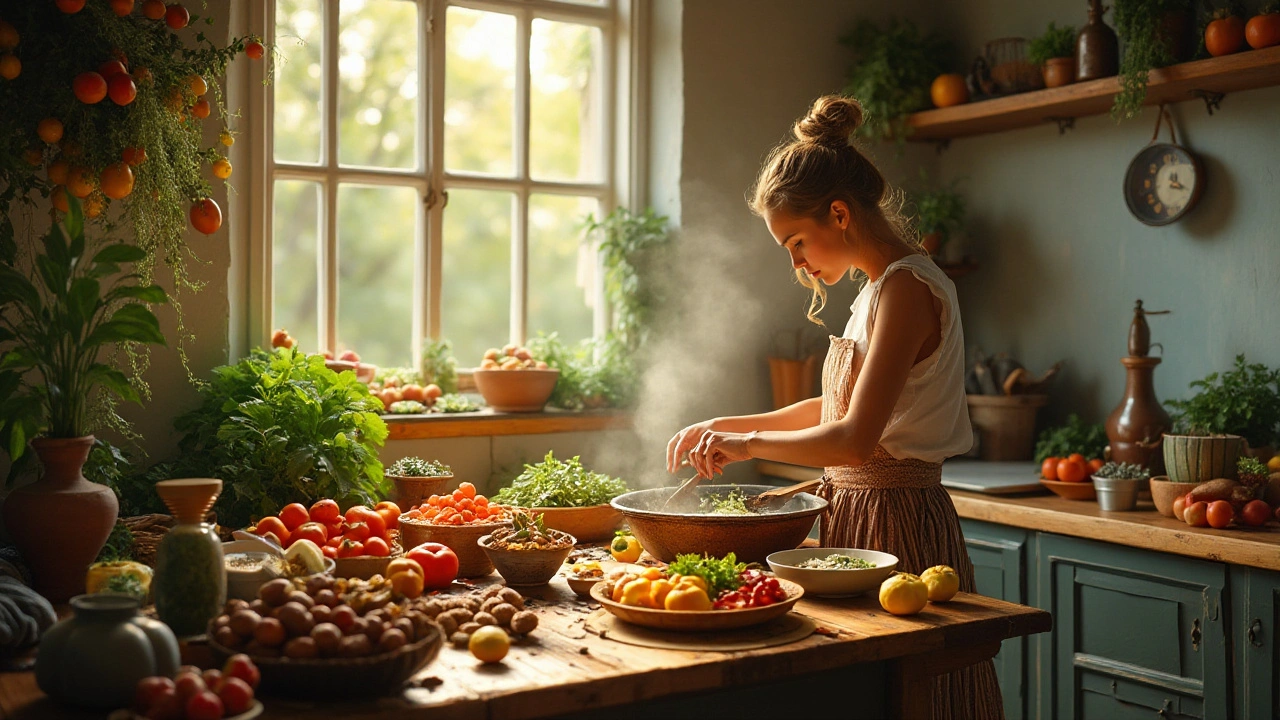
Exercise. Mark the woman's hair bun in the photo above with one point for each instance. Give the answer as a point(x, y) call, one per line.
point(830, 121)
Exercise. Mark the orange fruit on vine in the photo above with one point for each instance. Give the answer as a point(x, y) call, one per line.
point(134, 155)
point(80, 181)
point(57, 172)
point(33, 156)
point(70, 7)
point(49, 130)
point(206, 216)
point(94, 205)
point(121, 89)
point(122, 7)
point(89, 87)
point(10, 67)
point(222, 168)
point(111, 68)
point(116, 181)
point(59, 198)
point(8, 36)
point(201, 109)
point(153, 9)
point(226, 139)
point(255, 50)
point(176, 16)
point(198, 85)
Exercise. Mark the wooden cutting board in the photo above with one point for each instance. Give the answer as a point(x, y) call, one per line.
point(992, 478)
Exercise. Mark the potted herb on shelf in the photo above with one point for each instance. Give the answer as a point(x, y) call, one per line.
point(892, 73)
point(1154, 34)
point(416, 479)
point(1054, 53)
point(939, 213)
point(55, 390)
point(1118, 485)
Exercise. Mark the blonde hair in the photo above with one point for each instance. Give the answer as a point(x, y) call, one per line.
point(805, 175)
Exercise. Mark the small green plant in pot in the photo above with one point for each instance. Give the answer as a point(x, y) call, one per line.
point(1054, 53)
point(1211, 428)
point(939, 214)
point(416, 479)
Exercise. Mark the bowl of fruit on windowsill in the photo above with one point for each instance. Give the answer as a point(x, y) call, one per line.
point(512, 380)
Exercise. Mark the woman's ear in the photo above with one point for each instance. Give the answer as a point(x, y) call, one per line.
point(840, 214)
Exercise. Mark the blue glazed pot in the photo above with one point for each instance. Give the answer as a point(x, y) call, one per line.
point(96, 657)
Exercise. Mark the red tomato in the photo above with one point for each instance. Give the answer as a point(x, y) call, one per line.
point(1078, 458)
point(148, 691)
point(325, 511)
point(1256, 512)
point(212, 678)
point(353, 513)
point(1095, 465)
point(293, 515)
point(70, 7)
point(1220, 514)
point(254, 50)
point(89, 87)
point(337, 529)
point(166, 706)
point(1196, 514)
point(1179, 505)
point(439, 564)
point(377, 547)
point(271, 524)
point(176, 16)
point(153, 9)
point(1071, 470)
point(329, 551)
point(206, 216)
point(236, 695)
point(350, 548)
point(111, 68)
point(188, 683)
point(362, 514)
point(313, 531)
point(1049, 468)
point(205, 706)
point(390, 514)
point(122, 7)
point(1263, 30)
point(357, 532)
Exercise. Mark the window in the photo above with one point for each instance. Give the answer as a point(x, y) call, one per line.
point(427, 165)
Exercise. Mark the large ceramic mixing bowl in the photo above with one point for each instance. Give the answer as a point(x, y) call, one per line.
point(751, 537)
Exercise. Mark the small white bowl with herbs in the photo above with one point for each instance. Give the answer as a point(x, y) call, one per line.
point(833, 572)
point(569, 497)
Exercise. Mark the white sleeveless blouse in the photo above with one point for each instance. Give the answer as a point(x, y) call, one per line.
point(930, 422)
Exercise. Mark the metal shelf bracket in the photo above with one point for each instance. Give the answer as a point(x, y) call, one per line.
point(1212, 100)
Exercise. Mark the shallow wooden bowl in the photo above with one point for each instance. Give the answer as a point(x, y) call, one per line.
point(700, 621)
point(461, 539)
point(365, 566)
point(581, 586)
point(1164, 491)
point(1071, 490)
point(588, 524)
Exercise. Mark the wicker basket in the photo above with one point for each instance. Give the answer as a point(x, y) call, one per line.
point(1012, 72)
point(366, 566)
point(338, 678)
point(412, 490)
point(472, 560)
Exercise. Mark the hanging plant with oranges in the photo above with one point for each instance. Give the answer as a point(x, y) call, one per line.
point(105, 101)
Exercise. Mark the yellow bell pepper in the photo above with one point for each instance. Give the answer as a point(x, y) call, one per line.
point(636, 592)
point(100, 575)
point(658, 590)
point(620, 584)
point(687, 597)
point(694, 580)
point(652, 573)
point(625, 547)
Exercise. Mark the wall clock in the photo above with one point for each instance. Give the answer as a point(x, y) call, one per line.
point(1164, 180)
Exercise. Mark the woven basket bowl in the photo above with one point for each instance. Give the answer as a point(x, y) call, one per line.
point(365, 566)
point(528, 567)
point(412, 490)
point(472, 560)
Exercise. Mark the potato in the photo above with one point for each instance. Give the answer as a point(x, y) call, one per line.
point(484, 618)
point(354, 646)
point(460, 640)
point(245, 622)
point(295, 618)
point(275, 592)
point(327, 637)
point(228, 638)
point(489, 365)
point(233, 605)
point(512, 597)
point(433, 608)
point(469, 627)
point(406, 626)
point(503, 613)
point(447, 623)
point(301, 598)
point(1218, 489)
point(391, 640)
point(301, 647)
point(490, 603)
point(524, 622)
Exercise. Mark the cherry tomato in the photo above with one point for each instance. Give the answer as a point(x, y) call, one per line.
point(236, 696)
point(325, 511)
point(1256, 512)
point(357, 532)
point(149, 690)
point(390, 514)
point(1095, 465)
point(439, 564)
point(254, 50)
point(206, 216)
point(1179, 506)
point(205, 706)
point(350, 548)
point(1195, 514)
point(176, 16)
point(1049, 468)
point(1220, 514)
point(1071, 470)
point(377, 547)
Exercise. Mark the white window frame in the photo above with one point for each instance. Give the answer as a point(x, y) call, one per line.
point(624, 87)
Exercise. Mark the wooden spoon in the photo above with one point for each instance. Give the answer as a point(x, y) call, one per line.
point(682, 494)
point(778, 496)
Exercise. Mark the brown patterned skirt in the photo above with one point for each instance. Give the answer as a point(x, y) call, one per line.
point(899, 507)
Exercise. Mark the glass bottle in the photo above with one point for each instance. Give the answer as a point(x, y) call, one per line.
point(190, 585)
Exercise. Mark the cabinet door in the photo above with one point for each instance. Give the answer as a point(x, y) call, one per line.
point(1135, 633)
point(999, 557)
point(1255, 601)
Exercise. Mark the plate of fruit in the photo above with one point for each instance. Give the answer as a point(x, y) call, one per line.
point(214, 694)
point(697, 593)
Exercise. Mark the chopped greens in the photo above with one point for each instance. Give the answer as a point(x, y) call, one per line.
point(454, 403)
point(731, 504)
point(720, 574)
point(560, 483)
point(837, 562)
point(417, 467)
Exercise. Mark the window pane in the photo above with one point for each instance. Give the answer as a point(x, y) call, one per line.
point(565, 113)
point(562, 269)
point(299, 42)
point(376, 231)
point(476, 306)
point(378, 83)
point(479, 91)
point(295, 244)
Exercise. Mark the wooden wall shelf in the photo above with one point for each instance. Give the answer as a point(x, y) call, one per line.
point(1177, 83)
point(488, 422)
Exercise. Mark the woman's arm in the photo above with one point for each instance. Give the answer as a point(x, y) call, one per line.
point(796, 416)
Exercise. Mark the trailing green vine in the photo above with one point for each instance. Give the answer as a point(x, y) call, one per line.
point(1139, 25)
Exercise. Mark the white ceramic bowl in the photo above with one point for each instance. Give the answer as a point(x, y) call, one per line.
point(832, 583)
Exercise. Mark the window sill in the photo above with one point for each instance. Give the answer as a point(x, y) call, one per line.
point(488, 422)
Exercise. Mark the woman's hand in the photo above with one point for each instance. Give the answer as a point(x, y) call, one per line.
point(715, 450)
point(683, 442)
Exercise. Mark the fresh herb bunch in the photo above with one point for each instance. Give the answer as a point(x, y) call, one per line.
point(635, 250)
point(593, 374)
point(1056, 42)
point(417, 467)
point(439, 365)
point(732, 503)
point(1074, 437)
point(720, 574)
point(126, 584)
point(1138, 24)
point(939, 209)
point(1251, 471)
point(1242, 401)
point(891, 74)
point(560, 484)
point(454, 403)
point(278, 428)
point(1123, 471)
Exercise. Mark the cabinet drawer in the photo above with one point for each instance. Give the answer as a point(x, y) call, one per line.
point(1131, 626)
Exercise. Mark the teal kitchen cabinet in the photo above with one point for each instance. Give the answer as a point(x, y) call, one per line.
point(1255, 620)
point(1136, 634)
point(999, 557)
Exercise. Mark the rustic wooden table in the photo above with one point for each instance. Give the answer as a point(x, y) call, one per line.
point(563, 670)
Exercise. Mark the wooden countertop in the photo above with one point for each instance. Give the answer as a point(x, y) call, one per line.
point(561, 668)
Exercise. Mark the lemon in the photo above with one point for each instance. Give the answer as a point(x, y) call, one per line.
point(1273, 465)
point(489, 644)
point(903, 594)
point(942, 581)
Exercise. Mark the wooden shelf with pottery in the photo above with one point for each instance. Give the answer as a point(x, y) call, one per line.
point(1193, 80)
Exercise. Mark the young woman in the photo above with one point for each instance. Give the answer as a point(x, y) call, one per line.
point(892, 405)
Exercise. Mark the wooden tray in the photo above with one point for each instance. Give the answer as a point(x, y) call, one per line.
point(698, 621)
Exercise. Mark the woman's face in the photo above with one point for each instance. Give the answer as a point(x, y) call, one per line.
point(818, 248)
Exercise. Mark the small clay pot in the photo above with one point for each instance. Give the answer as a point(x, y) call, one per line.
point(1059, 71)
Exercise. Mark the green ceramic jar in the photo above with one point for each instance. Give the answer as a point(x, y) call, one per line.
point(190, 585)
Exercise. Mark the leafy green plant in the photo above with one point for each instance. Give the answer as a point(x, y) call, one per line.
point(1074, 437)
point(1138, 24)
point(593, 374)
point(454, 403)
point(720, 573)
point(417, 467)
point(1242, 401)
point(280, 427)
point(119, 544)
point(1056, 42)
point(635, 252)
point(560, 483)
point(1123, 471)
point(439, 365)
point(891, 74)
point(58, 326)
point(938, 209)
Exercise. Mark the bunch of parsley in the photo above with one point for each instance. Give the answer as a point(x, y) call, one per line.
point(560, 483)
point(720, 574)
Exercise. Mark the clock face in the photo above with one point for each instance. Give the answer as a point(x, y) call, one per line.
point(1163, 182)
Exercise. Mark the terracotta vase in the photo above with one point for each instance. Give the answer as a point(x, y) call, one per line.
point(61, 521)
point(1059, 71)
point(1136, 427)
point(1097, 47)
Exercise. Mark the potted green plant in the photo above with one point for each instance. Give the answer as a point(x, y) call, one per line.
point(939, 212)
point(56, 329)
point(1118, 485)
point(416, 479)
point(1054, 53)
point(1212, 427)
point(1154, 33)
point(570, 497)
point(891, 74)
